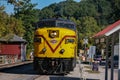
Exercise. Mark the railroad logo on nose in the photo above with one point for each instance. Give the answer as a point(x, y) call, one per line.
point(53, 41)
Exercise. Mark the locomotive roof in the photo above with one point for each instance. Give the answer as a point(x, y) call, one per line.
point(56, 22)
point(58, 19)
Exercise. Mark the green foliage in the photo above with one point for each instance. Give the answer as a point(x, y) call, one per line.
point(86, 9)
point(115, 15)
point(9, 24)
point(29, 16)
point(70, 8)
point(2, 21)
point(86, 26)
point(66, 8)
point(14, 26)
point(46, 13)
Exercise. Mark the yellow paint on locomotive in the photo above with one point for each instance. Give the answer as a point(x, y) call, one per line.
point(52, 47)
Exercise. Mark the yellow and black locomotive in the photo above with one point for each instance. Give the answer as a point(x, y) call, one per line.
point(55, 46)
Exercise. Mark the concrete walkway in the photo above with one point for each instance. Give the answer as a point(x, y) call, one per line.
point(87, 74)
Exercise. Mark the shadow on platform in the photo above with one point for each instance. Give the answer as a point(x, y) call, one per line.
point(67, 78)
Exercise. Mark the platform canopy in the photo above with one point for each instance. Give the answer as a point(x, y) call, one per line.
point(109, 30)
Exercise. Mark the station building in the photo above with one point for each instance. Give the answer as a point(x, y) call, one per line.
point(12, 49)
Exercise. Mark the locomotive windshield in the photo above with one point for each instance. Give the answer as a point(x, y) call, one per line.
point(66, 25)
point(56, 23)
point(42, 24)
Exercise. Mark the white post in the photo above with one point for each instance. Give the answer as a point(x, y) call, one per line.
point(23, 54)
point(119, 58)
point(21, 45)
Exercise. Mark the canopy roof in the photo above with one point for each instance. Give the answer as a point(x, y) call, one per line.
point(109, 29)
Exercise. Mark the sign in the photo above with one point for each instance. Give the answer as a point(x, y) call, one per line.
point(92, 51)
point(116, 49)
point(85, 41)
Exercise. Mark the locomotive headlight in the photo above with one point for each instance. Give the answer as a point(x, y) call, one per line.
point(69, 41)
point(62, 51)
point(44, 50)
point(53, 33)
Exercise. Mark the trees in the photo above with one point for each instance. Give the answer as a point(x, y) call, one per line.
point(115, 14)
point(46, 13)
point(2, 21)
point(86, 8)
point(24, 15)
point(14, 26)
point(9, 24)
point(88, 26)
point(70, 8)
point(29, 16)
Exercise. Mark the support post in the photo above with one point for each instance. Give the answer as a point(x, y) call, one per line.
point(112, 56)
point(119, 58)
point(106, 66)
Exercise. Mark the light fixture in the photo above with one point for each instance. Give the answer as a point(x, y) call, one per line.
point(53, 33)
point(62, 51)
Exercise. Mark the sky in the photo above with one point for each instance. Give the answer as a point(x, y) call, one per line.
point(41, 4)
